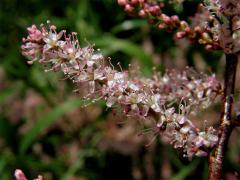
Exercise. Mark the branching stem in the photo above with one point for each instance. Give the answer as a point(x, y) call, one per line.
point(227, 125)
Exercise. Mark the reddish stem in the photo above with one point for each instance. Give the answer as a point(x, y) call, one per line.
point(226, 127)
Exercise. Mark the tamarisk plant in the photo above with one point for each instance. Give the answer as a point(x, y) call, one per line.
point(166, 100)
point(216, 25)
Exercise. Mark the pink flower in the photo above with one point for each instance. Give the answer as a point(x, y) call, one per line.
point(19, 175)
point(34, 33)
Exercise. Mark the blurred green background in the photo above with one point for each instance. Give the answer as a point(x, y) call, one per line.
point(44, 130)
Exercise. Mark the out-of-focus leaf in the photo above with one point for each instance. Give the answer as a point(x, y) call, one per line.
point(205, 171)
point(185, 171)
point(46, 120)
point(79, 163)
point(6, 158)
point(174, 158)
point(73, 169)
point(3, 162)
point(114, 44)
point(6, 93)
point(128, 25)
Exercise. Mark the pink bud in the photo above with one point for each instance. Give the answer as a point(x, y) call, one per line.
point(154, 9)
point(34, 33)
point(180, 35)
point(134, 2)
point(187, 30)
point(128, 8)
point(161, 26)
point(19, 175)
point(198, 29)
point(142, 13)
point(209, 47)
point(175, 18)
point(166, 18)
point(122, 2)
point(30, 62)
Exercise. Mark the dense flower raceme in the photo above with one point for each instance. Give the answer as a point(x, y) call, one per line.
point(167, 99)
point(19, 175)
point(226, 23)
point(216, 24)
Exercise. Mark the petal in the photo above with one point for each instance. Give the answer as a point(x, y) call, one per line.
point(111, 101)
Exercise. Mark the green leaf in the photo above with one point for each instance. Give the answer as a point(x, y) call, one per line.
point(3, 162)
point(79, 163)
point(46, 120)
point(5, 94)
point(73, 169)
point(185, 171)
point(128, 25)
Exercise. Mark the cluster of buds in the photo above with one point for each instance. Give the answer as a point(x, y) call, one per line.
point(167, 99)
point(19, 175)
point(215, 24)
point(226, 23)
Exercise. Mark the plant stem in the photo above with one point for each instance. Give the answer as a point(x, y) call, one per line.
point(226, 127)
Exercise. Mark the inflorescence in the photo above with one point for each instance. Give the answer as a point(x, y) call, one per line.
point(216, 25)
point(168, 98)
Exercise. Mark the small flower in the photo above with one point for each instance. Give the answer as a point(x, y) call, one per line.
point(19, 175)
point(153, 102)
point(34, 33)
point(95, 59)
point(111, 101)
point(52, 39)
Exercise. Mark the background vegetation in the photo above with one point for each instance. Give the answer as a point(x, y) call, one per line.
point(44, 130)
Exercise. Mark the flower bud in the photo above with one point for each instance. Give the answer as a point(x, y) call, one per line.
point(122, 2)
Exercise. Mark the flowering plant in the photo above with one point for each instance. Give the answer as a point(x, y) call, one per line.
point(166, 100)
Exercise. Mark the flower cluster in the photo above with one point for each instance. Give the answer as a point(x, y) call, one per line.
point(19, 175)
point(216, 24)
point(167, 99)
point(226, 23)
point(152, 10)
